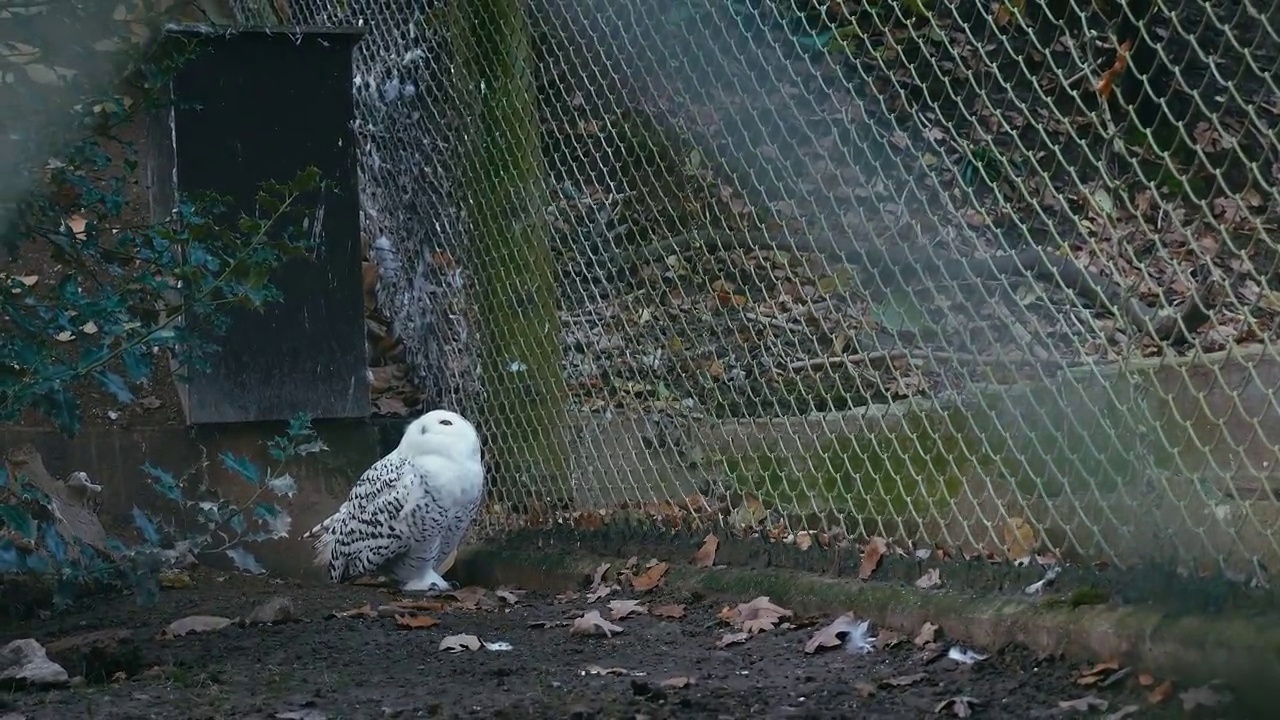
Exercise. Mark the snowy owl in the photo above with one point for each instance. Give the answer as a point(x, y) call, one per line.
point(408, 511)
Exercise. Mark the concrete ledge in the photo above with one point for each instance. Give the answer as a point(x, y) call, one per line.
point(1239, 649)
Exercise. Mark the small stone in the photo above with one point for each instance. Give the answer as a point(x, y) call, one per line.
point(24, 663)
point(275, 610)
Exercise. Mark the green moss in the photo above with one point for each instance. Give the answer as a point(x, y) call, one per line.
point(916, 470)
point(1081, 597)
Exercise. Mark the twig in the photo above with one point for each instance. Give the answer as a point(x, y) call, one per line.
point(881, 355)
point(778, 323)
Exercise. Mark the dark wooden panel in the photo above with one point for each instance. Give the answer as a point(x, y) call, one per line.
point(268, 104)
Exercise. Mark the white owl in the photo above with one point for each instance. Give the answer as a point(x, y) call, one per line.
point(408, 511)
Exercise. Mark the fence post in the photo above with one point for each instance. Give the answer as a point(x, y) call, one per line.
point(501, 174)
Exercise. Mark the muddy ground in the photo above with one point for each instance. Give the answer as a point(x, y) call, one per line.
point(369, 667)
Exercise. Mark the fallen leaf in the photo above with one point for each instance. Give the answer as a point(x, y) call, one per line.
point(864, 689)
point(1203, 696)
point(1161, 693)
point(876, 548)
point(194, 624)
point(597, 670)
point(650, 578)
point(1019, 539)
point(592, 624)
point(306, 714)
point(732, 639)
point(364, 611)
point(598, 576)
point(962, 706)
point(619, 609)
point(676, 682)
point(668, 611)
point(469, 598)
point(888, 638)
point(421, 605)
point(600, 592)
point(510, 596)
point(931, 578)
point(1146, 680)
point(706, 555)
point(1084, 704)
point(926, 635)
point(458, 643)
point(1097, 672)
point(416, 622)
point(1113, 73)
point(836, 634)
point(756, 616)
point(903, 680)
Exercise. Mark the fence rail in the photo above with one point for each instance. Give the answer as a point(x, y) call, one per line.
point(998, 278)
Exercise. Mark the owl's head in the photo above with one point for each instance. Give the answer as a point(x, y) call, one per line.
point(441, 433)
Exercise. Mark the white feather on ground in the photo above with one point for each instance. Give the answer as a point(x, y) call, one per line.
point(409, 510)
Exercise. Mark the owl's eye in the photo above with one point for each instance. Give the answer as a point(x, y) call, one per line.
point(446, 422)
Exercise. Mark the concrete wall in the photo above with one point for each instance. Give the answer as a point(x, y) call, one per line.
point(1168, 461)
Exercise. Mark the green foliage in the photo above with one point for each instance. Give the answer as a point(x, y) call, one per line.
point(113, 293)
point(203, 522)
point(125, 292)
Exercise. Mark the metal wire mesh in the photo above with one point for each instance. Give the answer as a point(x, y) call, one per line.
point(998, 278)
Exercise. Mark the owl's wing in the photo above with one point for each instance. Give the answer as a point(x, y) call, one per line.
point(369, 529)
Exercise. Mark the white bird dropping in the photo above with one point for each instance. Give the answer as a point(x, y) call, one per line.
point(409, 510)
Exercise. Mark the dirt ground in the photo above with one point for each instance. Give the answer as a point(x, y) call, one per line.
point(323, 666)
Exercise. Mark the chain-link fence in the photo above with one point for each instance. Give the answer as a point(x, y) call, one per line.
point(996, 278)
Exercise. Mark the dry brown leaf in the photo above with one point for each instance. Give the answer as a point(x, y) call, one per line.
point(962, 706)
point(420, 605)
point(511, 597)
point(597, 578)
point(732, 639)
point(1161, 693)
point(864, 689)
point(706, 555)
point(903, 680)
point(887, 639)
point(833, 635)
point(458, 643)
point(469, 598)
point(930, 579)
point(676, 682)
point(416, 622)
point(668, 611)
point(650, 578)
point(592, 623)
point(876, 548)
point(364, 611)
point(1109, 78)
point(1019, 539)
point(927, 634)
point(599, 592)
point(756, 616)
point(1203, 696)
point(1146, 680)
point(597, 670)
point(619, 609)
point(194, 624)
point(1084, 704)
point(1098, 672)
